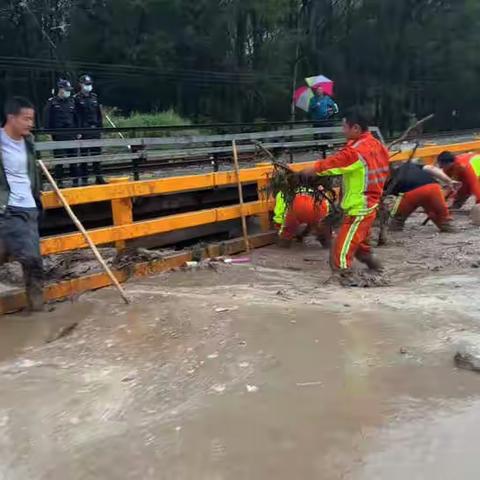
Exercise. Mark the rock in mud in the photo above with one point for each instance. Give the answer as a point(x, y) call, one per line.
point(63, 332)
point(468, 358)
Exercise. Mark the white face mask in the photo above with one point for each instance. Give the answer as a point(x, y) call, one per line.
point(66, 94)
point(87, 88)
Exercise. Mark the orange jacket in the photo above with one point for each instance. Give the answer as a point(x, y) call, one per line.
point(466, 169)
point(365, 166)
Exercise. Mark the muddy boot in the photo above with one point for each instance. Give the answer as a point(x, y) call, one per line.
point(372, 262)
point(33, 276)
point(348, 278)
point(447, 227)
point(397, 224)
point(99, 180)
point(284, 243)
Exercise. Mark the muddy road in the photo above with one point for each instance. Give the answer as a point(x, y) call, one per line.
point(254, 371)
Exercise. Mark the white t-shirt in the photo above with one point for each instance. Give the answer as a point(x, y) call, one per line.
point(15, 164)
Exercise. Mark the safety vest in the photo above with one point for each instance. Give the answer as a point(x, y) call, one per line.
point(475, 163)
point(280, 210)
point(364, 165)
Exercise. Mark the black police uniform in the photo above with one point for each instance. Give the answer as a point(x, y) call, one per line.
point(60, 113)
point(89, 116)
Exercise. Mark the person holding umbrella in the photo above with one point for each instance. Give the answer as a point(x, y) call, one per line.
point(322, 108)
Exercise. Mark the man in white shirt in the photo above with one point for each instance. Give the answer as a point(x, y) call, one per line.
point(20, 197)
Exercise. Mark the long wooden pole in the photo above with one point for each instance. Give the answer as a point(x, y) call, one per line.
point(79, 225)
point(240, 194)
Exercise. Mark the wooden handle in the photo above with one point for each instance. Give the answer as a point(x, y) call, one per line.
point(240, 194)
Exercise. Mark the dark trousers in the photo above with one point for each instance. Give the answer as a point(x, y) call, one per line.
point(90, 152)
point(323, 124)
point(20, 241)
point(59, 171)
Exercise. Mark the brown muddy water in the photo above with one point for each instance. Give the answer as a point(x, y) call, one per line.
point(253, 371)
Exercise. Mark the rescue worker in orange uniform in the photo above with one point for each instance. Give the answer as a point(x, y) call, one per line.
point(466, 169)
point(304, 216)
point(416, 186)
point(364, 164)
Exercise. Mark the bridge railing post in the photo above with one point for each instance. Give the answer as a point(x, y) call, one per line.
point(122, 212)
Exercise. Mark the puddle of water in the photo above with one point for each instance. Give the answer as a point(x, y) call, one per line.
point(327, 392)
point(172, 388)
point(22, 332)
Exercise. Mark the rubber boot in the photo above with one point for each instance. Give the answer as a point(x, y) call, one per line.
point(59, 174)
point(97, 169)
point(33, 277)
point(35, 299)
point(372, 262)
point(348, 278)
point(74, 174)
point(397, 224)
point(84, 174)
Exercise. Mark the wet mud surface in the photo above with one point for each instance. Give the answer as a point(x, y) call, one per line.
point(254, 371)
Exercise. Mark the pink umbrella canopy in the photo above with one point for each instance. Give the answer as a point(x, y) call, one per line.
point(321, 81)
point(303, 95)
point(302, 98)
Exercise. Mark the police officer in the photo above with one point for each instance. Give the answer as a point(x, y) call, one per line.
point(89, 116)
point(59, 114)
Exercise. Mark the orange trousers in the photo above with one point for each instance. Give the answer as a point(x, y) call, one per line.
point(430, 198)
point(304, 211)
point(353, 238)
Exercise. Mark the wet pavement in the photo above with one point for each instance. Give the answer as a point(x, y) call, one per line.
point(253, 371)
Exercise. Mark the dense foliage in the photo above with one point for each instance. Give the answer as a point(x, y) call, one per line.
point(235, 60)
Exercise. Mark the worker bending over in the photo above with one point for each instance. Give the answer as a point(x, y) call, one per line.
point(364, 165)
point(305, 215)
point(466, 169)
point(416, 186)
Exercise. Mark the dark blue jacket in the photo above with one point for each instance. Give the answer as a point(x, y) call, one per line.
point(322, 108)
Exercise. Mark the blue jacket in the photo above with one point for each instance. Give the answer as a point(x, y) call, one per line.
point(322, 108)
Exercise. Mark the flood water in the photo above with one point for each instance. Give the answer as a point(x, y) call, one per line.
point(250, 372)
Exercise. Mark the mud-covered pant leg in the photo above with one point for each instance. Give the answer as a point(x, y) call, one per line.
point(353, 237)
point(20, 241)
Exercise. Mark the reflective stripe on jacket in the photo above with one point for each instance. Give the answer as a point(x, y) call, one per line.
point(364, 165)
point(466, 169)
point(280, 210)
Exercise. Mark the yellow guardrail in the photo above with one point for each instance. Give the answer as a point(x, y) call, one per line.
point(121, 194)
